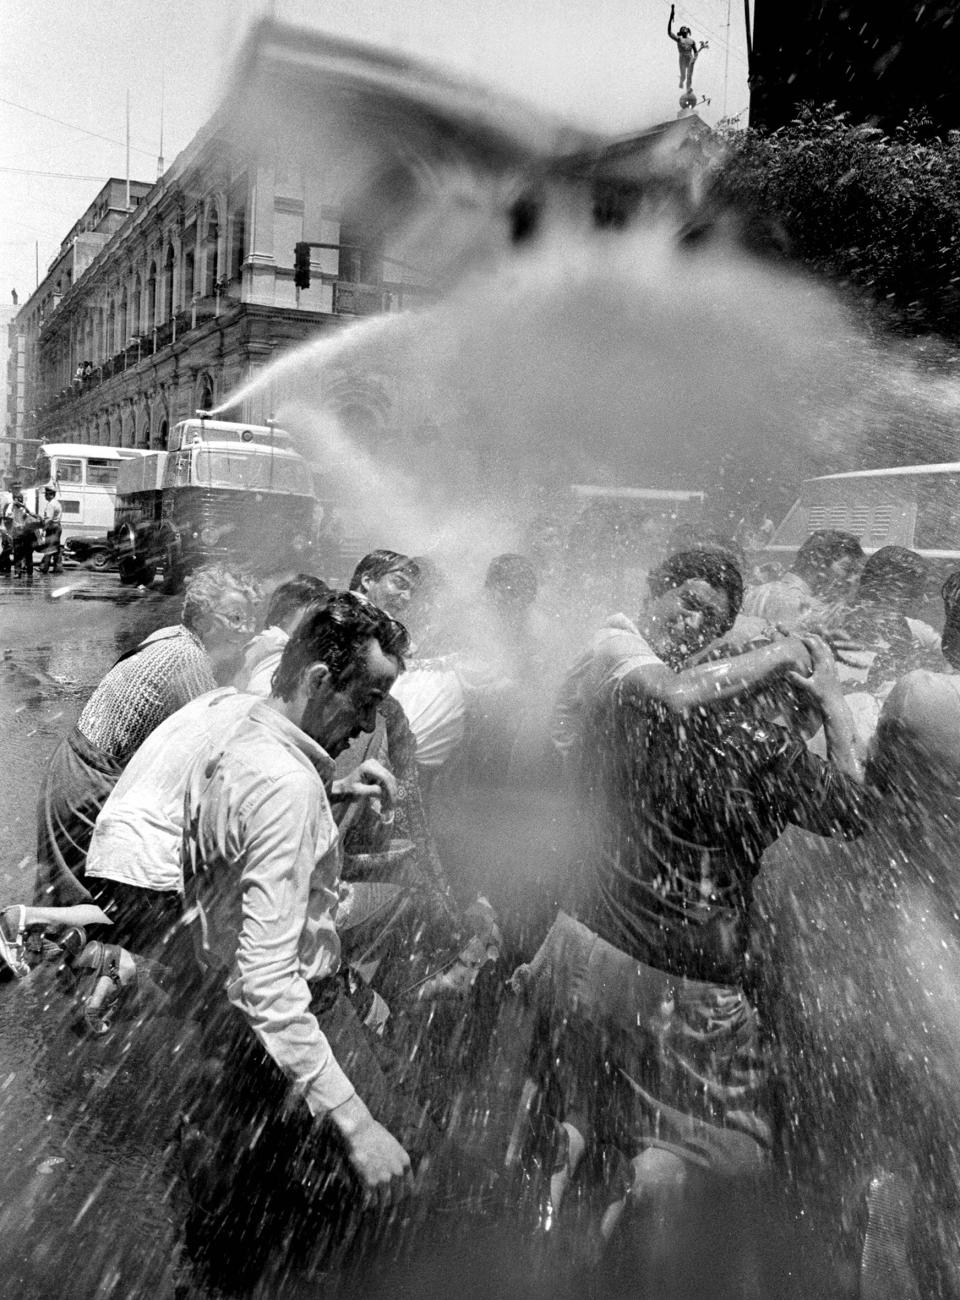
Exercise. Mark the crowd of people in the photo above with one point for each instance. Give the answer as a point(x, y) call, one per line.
point(381, 846)
point(22, 532)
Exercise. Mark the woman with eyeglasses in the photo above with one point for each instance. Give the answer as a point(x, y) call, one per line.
point(164, 672)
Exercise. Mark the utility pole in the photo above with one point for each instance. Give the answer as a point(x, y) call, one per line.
point(160, 159)
point(128, 152)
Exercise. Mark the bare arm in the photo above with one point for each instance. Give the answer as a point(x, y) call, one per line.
point(670, 26)
point(712, 683)
point(822, 688)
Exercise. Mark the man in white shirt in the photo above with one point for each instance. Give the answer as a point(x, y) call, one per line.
point(822, 573)
point(261, 876)
point(52, 517)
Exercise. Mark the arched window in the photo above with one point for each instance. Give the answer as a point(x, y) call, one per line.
point(212, 251)
point(238, 238)
point(168, 285)
point(189, 264)
point(205, 393)
point(151, 297)
point(110, 345)
point(135, 308)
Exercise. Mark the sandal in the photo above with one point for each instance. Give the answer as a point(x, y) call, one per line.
point(102, 971)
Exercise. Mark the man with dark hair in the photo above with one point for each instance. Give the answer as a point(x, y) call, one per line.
point(880, 619)
point(823, 570)
point(653, 1045)
point(287, 606)
point(387, 578)
point(261, 875)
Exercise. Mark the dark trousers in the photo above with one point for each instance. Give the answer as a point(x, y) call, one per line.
point(51, 549)
point(143, 919)
point(23, 554)
point(268, 1188)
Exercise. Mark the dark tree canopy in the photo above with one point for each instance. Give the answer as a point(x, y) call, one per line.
point(878, 212)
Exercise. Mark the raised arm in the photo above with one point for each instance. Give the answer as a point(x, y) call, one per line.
point(822, 688)
point(712, 683)
point(828, 795)
point(670, 25)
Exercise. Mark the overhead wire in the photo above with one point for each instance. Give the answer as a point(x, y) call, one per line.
point(74, 127)
point(60, 176)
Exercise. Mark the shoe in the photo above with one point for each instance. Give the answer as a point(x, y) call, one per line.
point(103, 971)
point(13, 936)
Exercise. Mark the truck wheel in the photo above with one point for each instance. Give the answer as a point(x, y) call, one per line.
point(100, 559)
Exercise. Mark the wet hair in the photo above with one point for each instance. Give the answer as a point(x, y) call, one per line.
point(378, 564)
point(893, 575)
point(714, 567)
point(514, 576)
point(292, 596)
point(335, 633)
point(823, 548)
point(205, 589)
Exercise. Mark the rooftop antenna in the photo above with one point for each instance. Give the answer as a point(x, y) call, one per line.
point(128, 151)
point(160, 155)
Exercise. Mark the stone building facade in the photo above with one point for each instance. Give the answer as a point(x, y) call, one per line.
point(401, 179)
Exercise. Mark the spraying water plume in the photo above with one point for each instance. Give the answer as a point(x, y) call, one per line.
point(630, 363)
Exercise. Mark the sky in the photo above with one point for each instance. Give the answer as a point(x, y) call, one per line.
point(66, 70)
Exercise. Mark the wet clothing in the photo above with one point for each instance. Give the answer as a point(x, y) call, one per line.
point(267, 1176)
point(432, 697)
point(684, 809)
point(261, 658)
point(261, 866)
point(652, 1037)
point(142, 689)
point(891, 646)
point(787, 602)
point(268, 1186)
point(643, 1058)
point(137, 837)
point(166, 671)
point(919, 732)
point(421, 873)
point(75, 786)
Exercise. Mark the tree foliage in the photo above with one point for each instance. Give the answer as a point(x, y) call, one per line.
point(876, 211)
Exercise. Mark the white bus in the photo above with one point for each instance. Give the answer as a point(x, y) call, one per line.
point(85, 477)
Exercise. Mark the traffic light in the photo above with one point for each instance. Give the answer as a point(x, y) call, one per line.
point(301, 265)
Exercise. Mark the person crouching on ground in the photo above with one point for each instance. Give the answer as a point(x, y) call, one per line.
point(301, 1122)
point(174, 665)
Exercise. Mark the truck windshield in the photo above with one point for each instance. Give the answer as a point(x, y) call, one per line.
point(256, 471)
